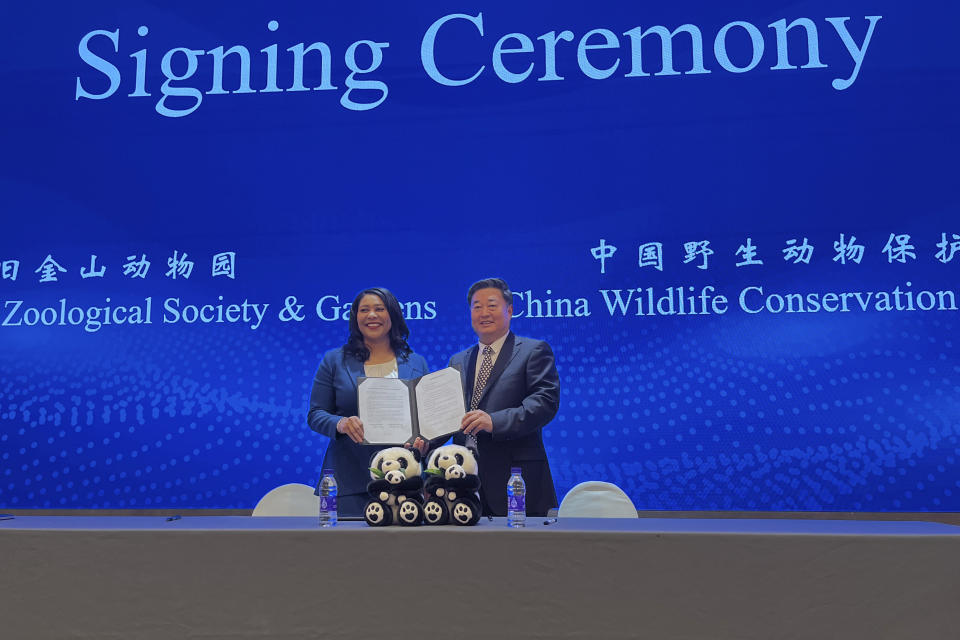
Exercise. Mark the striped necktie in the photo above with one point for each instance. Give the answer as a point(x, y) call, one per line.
point(486, 366)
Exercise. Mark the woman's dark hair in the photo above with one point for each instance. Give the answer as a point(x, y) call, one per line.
point(399, 333)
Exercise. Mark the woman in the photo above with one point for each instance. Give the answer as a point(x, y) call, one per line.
point(377, 347)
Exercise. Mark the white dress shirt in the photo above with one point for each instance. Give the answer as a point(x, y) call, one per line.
point(382, 370)
point(497, 346)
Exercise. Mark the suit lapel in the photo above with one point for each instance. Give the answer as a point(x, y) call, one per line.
point(354, 369)
point(404, 369)
point(468, 373)
point(511, 346)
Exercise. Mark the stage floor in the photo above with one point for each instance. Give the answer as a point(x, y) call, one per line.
point(241, 577)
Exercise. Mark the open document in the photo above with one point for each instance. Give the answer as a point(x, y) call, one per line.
point(395, 411)
point(385, 410)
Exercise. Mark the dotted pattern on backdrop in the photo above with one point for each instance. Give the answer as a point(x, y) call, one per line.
point(682, 413)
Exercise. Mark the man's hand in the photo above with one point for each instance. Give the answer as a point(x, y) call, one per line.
point(476, 421)
point(352, 427)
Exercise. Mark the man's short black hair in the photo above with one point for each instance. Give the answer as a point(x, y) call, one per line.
point(491, 283)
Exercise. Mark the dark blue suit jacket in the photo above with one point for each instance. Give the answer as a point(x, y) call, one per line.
point(522, 395)
point(334, 396)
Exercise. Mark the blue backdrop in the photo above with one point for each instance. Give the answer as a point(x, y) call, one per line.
point(735, 223)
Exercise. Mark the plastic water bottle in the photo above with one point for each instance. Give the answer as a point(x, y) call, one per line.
point(328, 499)
point(516, 499)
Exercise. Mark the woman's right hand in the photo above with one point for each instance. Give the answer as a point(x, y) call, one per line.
point(352, 427)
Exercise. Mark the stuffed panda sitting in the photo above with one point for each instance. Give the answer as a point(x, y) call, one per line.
point(451, 487)
point(395, 488)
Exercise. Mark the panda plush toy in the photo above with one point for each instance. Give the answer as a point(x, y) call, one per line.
point(451, 487)
point(395, 488)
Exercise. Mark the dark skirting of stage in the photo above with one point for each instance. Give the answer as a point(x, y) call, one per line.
point(284, 578)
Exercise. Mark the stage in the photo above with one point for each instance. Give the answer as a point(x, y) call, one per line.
point(283, 578)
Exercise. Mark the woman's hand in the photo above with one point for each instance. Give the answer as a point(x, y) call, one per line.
point(421, 445)
point(352, 427)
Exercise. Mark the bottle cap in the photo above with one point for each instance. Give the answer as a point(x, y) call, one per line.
point(515, 470)
point(328, 472)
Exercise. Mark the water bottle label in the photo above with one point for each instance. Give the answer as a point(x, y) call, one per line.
point(328, 503)
point(517, 503)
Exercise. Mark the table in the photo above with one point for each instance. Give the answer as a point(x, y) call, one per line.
point(284, 578)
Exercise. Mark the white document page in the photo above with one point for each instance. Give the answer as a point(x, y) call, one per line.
point(439, 403)
point(384, 407)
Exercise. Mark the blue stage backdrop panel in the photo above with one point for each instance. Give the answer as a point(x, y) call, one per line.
point(736, 223)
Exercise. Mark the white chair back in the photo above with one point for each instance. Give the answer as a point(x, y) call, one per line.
point(289, 500)
point(595, 499)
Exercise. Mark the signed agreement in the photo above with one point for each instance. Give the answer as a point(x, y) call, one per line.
point(396, 411)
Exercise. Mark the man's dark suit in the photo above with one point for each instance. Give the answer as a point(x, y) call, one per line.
point(522, 395)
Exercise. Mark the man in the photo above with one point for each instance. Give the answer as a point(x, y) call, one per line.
point(512, 391)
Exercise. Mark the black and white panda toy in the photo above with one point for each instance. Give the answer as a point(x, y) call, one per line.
point(451, 487)
point(395, 488)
